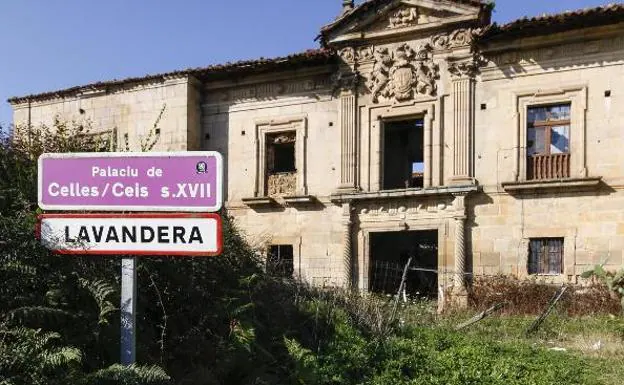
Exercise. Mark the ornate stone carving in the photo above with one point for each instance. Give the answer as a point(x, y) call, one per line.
point(403, 18)
point(466, 68)
point(464, 37)
point(394, 208)
point(288, 137)
point(402, 73)
point(365, 53)
point(282, 184)
point(344, 80)
point(463, 69)
point(352, 55)
point(348, 54)
point(268, 90)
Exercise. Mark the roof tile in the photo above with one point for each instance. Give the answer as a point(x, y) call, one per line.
point(553, 23)
point(309, 57)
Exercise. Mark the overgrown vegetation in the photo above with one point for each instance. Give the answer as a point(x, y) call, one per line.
point(528, 296)
point(614, 280)
point(224, 320)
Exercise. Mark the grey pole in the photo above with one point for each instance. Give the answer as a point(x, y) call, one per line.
point(128, 311)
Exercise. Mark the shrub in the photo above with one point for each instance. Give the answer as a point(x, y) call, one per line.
point(531, 297)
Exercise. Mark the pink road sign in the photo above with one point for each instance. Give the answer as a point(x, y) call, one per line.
point(165, 181)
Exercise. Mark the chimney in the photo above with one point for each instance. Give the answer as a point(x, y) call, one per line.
point(347, 5)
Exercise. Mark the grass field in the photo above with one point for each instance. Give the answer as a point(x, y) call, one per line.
point(596, 341)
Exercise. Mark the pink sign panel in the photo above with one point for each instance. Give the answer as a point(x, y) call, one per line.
point(166, 181)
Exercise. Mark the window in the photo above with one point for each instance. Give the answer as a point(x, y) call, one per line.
point(545, 256)
point(403, 155)
point(280, 260)
point(548, 142)
point(281, 177)
point(281, 153)
point(281, 157)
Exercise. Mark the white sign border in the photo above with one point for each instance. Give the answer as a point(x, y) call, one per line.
point(46, 207)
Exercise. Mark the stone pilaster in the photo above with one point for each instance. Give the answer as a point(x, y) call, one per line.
point(345, 84)
point(347, 255)
point(348, 140)
point(463, 120)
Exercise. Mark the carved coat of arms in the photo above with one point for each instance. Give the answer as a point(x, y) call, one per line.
point(403, 73)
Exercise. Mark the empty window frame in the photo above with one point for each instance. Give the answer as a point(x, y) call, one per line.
point(548, 141)
point(545, 256)
point(403, 154)
point(281, 169)
point(281, 153)
point(280, 260)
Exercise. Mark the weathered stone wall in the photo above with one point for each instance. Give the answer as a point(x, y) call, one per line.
point(130, 111)
point(588, 74)
point(235, 117)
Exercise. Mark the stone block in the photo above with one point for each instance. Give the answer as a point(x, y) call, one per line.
point(490, 259)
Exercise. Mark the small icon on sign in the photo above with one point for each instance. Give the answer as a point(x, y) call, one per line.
point(201, 167)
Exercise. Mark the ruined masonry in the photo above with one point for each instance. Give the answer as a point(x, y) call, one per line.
point(419, 129)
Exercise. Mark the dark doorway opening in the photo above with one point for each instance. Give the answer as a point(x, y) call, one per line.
point(403, 154)
point(389, 253)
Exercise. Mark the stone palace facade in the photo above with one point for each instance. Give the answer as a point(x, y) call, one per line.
point(419, 129)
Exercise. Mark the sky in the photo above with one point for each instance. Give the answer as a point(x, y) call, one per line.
point(49, 45)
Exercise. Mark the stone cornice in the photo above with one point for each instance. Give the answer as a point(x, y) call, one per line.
point(404, 193)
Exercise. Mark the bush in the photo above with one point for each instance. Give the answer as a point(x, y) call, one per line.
point(529, 297)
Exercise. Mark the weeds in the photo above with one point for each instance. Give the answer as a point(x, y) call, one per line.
point(530, 297)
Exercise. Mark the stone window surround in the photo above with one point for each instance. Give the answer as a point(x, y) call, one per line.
point(296, 242)
point(576, 95)
point(441, 225)
point(270, 126)
point(569, 247)
point(421, 109)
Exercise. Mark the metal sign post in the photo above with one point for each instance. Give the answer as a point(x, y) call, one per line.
point(128, 311)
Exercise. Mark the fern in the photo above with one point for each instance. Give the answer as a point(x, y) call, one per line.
point(37, 315)
point(32, 356)
point(126, 375)
point(101, 293)
point(60, 357)
point(17, 267)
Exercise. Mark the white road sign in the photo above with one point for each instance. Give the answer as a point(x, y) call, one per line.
point(132, 234)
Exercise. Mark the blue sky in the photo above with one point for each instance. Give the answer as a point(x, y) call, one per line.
point(49, 45)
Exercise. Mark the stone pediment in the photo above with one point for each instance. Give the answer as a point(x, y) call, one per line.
point(381, 19)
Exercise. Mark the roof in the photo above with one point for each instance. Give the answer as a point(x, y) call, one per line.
point(261, 65)
point(368, 4)
point(553, 23)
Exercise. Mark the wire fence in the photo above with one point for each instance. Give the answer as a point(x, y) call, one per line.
point(386, 278)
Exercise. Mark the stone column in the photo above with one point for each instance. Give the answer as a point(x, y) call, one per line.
point(347, 256)
point(460, 252)
point(463, 120)
point(460, 298)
